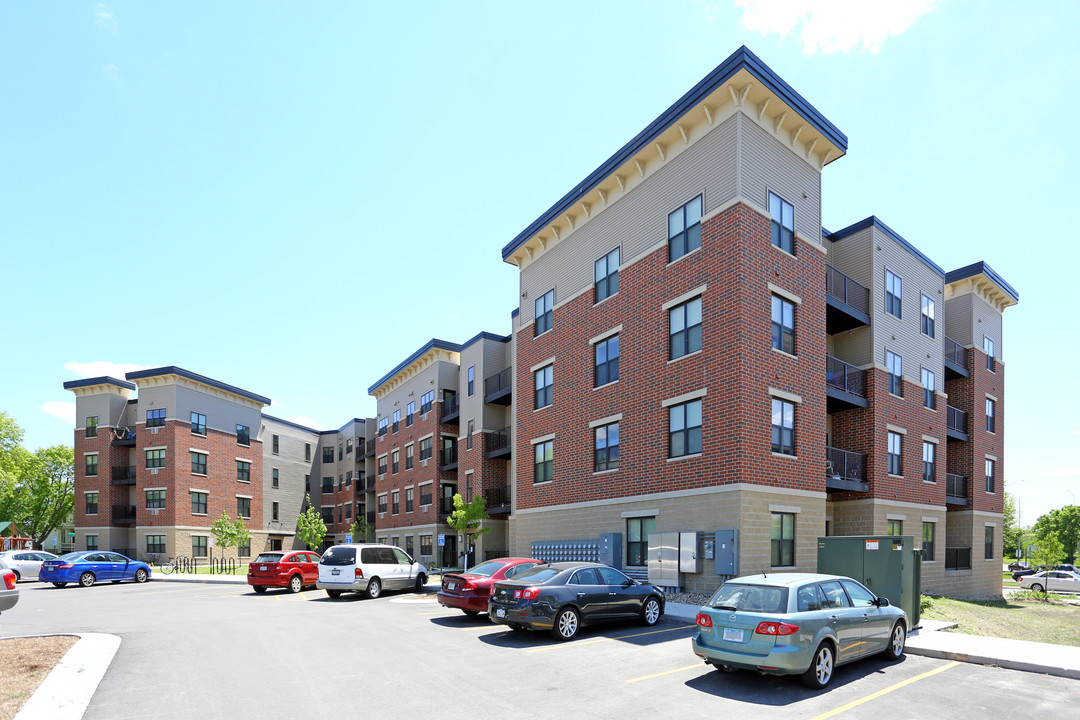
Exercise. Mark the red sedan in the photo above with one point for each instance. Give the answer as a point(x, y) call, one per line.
point(468, 591)
point(292, 569)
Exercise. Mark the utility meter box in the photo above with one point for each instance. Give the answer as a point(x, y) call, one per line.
point(664, 559)
point(727, 552)
point(887, 564)
point(688, 553)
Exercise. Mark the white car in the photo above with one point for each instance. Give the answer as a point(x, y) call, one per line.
point(1052, 580)
point(24, 563)
point(368, 568)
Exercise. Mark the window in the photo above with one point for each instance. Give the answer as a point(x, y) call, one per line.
point(275, 445)
point(425, 402)
point(408, 457)
point(988, 348)
point(606, 276)
point(684, 229)
point(155, 458)
point(425, 449)
point(990, 468)
point(896, 465)
point(155, 499)
point(425, 494)
point(783, 540)
point(409, 545)
point(607, 361)
point(408, 499)
point(544, 462)
point(244, 549)
point(396, 463)
point(783, 325)
point(410, 410)
point(155, 418)
point(927, 316)
point(155, 544)
point(929, 465)
point(91, 542)
point(894, 292)
point(243, 471)
point(274, 511)
point(472, 379)
point(783, 427)
point(684, 328)
point(395, 502)
point(198, 424)
point(927, 541)
point(340, 451)
point(684, 429)
point(397, 420)
point(91, 464)
point(91, 503)
point(91, 426)
point(307, 452)
point(275, 478)
point(328, 484)
point(340, 514)
point(382, 503)
point(243, 435)
point(198, 546)
point(783, 223)
point(328, 454)
point(895, 528)
point(468, 435)
point(327, 514)
point(348, 511)
point(544, 389)
point(543, 307)
point(929, 382)
point(988, 542)
point(637, 539)
point(895, 364)
point(198, 503)
point(606, 449)
point(425, 544)
point(348, 446)
point(384, 424)
point(348, 478)
point(198, 463)
point(382, 465)
point(991, 408)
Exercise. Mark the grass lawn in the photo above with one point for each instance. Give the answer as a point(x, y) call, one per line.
point(1023, 618)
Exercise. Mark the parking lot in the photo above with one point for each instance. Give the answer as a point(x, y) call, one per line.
point(219, 651)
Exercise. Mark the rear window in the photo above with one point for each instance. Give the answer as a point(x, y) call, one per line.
point(485, 569)
point(269, 557)
point(538, 574)
point(339, 556)
point(751, 598)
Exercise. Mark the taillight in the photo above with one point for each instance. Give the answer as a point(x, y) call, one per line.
point(530, 593)
point(9, 580)
point(468, 585)
point(359, 573)
point(775, 628)
point(65, 566)
point(704, 620)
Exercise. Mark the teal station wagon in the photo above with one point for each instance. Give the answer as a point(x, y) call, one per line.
point(797, 624)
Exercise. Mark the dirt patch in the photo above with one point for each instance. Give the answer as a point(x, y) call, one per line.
point(24, 663)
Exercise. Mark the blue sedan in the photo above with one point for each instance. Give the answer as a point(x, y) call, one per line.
point(89, 566)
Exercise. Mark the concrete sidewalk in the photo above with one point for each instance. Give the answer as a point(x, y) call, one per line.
point(199, 578)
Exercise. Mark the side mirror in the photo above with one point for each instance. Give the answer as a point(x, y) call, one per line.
point(883, 602)
point(628, 582)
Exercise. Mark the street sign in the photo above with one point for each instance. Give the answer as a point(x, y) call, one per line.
point(442, 540)
point(348, 538)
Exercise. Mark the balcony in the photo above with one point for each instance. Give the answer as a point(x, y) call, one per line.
point(845, 471)
point(124, 436)
point(847, 303)
point(845, 385)
point(369, 484)
point(956, 357)
point(123, 514)
point(956, 423)
point(448, 458)
point(498, 444)
point(446, 506)
point(450, 410)
point(369, 448)
point(497, 388)
point(497, 500)
point(123, 475)
point(370, 518)
point(956, 489)
point(958, 558)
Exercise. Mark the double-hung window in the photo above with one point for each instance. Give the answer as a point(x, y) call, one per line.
point(198, 503)
point(91, 503)
point(275, 443)
point(684, 229)
point(410, 410)
point(783, 223)
point(199, 545)
point(382, 466)
point(991, 412)
point(606, 449)
point(155, 544)
point(637, 539)
point(243, 435)
point(783, 324)
point(928, 541)
point(783, 427)
point(472, 379)
point(155, 458)
point(894, 528)
point(896, 454)
point(328, 482)
point(544, 461)
point(243, 471)
point(91, 426)
point(328, 454)
point(783, 540)
point(275, 479)
point(384, 425)
point(929, 382)
point(425, 449)
point(606, 276)
point(397, 420)
point(894, 293)
point(544, 307)
point(155, 418)
point(198, 463)
point(544, 387)
point(988, 542)
point(408, 457)
point(91, 465)
point(395, 462)
point(243, 507)
point(927, 316)
point(895, 365)
point(684, 429)
point(929, 462)
point(988, 348)
point(991, 467)
point(425, 402)
point(606, 361)
point(198, 424)
point(684, 328)
point(155, 499)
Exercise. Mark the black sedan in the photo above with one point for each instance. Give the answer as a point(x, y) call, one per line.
point(562, 597)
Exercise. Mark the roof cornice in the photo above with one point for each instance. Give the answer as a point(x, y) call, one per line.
point(164, 372)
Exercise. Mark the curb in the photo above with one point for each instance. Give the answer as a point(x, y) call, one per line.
point(1041, 668)
point(66, 692)
point(204, 579)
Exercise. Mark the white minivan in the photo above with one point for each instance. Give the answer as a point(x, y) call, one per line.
point(368, 568)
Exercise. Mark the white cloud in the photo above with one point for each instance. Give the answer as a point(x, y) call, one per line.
point(834, 25)
point(105, 17)
point(97, 368)
point(1076, 432)
point(305, 421)
point(63, 410)
point(1063, 472)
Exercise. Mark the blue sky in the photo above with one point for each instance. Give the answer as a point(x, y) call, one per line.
point(293, 197)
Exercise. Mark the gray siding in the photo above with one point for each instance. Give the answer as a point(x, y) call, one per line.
point(221, 413)
point(853, 256)
point(958, 318)
point(987, 321)
point(155, 398)
point(292, 468)
point(430, 378)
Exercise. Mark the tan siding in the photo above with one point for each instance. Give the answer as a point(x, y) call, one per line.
point(854, 256)
point(958, 319)
point(986, 320)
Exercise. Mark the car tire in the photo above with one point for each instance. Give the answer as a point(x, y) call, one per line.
point(421, 581)
point(897, 642)
point(374, 588)
point(471, 613)
point(567, 624)
point(821, 669)
point(259, 588)
point(651, 612)
point(64, 584)
point(87, 579)
point(296, 584)
point(334, 594)
point(518, 627)
point(18, 577)
point(1037, 587)
point(141, 575)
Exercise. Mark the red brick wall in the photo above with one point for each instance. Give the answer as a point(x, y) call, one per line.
point(969, 458)
point(108, 456)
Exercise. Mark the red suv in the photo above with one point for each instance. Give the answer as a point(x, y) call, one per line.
point(292, 569)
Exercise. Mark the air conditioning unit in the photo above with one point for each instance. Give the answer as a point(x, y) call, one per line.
point(153, 431)
point(424, 462)
point(154, 471)
point(155, 511)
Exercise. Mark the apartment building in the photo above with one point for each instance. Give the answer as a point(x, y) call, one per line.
point(703, 357)
point(345, 480)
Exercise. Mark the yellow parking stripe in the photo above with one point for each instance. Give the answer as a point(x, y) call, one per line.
point(886, 691)
point(605, 639)
point(667, 672)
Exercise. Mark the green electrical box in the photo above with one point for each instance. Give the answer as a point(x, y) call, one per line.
point(887, 564)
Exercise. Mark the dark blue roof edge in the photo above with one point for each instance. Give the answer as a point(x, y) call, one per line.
point(174, 370)
point(981, 267)
point(738, 60)
point(485, 335)
point(429, 345)
point(100, 380)
point(290, 423)
point(347, 423)
point(514, 313)
point(873, 220)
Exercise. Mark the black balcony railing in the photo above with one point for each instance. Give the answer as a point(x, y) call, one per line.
point(845, 465)
point(498, 386)
point(369, 483)
point(446, 506)
point(956, 419)
point(843, 376)
point(955, 352)
point(124, 435)
point(842, 288)
point(498, 443)
point(955, 485)
point(449, 407)
point(958, 558)
point(369, 447)
point(123, 513)
point(497, 497)
point(371, 518)
point(448, 456)
point(123, 475)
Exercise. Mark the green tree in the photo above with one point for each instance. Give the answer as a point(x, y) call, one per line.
point(13, 456)
point(1048, 549)
point(1063, 523)
point(224, 532)
point(362, 530)
point(468, 519)
point(310, 526)
point(1010, 535)
point(44, 494)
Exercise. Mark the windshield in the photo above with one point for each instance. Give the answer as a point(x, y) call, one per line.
point(750, 598)
point(269, 558)
point(485, 569)
point(339, 555)
point(538, 574)
point(72, 557)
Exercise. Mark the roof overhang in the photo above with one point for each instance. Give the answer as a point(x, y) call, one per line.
point(97, 385)
point(431, 352)
point(155, 377)
point(981, 279)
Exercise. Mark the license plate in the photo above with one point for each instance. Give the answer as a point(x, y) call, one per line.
point(262, 568)
point(500, 612)
point(733, 635)
point(450, 585)
point(335, 572)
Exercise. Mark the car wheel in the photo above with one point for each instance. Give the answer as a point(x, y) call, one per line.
point(821, 668)
point(141, 575)
point(471, 613)
point(897, 641)
point(374, 588)
point(1036, 587)
point(296, 584)
point(334, 594)
point(421, 581)
point(18, 577)
point(518, 627)
point(259, 588)
point(567, 624)
point(650, 612)
point(60, 584)
point(87, 579)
